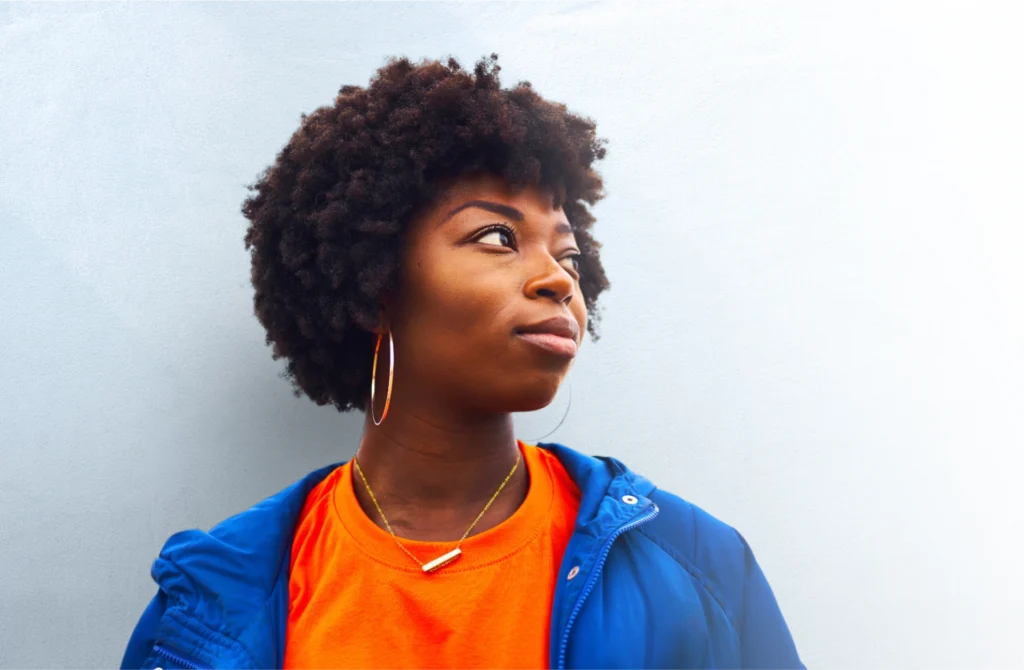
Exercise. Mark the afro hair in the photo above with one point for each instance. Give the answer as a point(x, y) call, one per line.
point(327, 218)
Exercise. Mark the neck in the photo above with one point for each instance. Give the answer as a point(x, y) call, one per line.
point(432, 474)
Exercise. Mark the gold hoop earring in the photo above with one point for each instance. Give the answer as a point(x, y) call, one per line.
point(564, 414)
point(391, 377)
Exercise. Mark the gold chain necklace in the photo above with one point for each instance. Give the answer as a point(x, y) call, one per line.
point(444, 560)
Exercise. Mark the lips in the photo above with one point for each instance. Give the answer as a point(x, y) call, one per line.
point(561, 326)
point(558, 335)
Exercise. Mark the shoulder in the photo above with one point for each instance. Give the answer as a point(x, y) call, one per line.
point(695, 541)
point(691, 533)
point(242, 554)
point(709, 550)
point(718, 557)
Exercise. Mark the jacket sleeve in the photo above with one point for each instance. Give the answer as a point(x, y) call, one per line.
point(140, 645)
point(764, 636)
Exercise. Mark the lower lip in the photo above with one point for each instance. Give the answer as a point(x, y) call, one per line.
point(555, 344)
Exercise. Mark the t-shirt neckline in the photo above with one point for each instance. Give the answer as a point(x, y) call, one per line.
point(478, 550)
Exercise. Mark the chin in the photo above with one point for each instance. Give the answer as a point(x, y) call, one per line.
point(533, 396)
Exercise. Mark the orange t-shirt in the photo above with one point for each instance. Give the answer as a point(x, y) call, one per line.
point(356, 600)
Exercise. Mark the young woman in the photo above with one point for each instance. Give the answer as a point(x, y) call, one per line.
point(422, 252)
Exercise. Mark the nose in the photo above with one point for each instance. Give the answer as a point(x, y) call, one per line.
point(552, 281)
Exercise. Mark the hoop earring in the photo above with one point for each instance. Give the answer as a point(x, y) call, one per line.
point(565, 414)
point(391, 377)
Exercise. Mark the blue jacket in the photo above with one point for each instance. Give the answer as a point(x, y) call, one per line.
point(661, 584)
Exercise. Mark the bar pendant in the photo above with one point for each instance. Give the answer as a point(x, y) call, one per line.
point(442, 561)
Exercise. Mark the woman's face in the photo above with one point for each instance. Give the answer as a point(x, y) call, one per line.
point(481, 265)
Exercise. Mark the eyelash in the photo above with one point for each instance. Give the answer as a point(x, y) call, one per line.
point(576, 258)
point(500, 227)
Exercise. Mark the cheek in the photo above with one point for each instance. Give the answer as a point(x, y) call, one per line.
point(459, 316)
point(579, 309)
point(452, 303)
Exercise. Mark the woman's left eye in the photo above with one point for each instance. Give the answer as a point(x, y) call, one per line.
point(575, 258)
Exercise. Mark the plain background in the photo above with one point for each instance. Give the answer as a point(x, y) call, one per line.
point(813, 232)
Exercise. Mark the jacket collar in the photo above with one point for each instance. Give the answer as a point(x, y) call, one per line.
point(597, 478)
point(222, 582)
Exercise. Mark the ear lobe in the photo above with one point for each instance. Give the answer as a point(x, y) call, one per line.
point(375, 324)
point(382, 325)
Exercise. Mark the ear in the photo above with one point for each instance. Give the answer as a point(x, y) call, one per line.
point(383, 324)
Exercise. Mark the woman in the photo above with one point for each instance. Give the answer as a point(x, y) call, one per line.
point(422, 252)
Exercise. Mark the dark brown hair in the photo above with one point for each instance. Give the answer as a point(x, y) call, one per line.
point(327, 219)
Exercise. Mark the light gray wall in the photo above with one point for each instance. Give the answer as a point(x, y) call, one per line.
point(813, 231)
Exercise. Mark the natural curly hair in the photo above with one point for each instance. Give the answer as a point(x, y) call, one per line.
point(327, 219)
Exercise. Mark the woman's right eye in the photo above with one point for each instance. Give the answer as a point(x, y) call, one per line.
point(502, 235)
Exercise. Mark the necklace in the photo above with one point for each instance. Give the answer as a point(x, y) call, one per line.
point(452, 555)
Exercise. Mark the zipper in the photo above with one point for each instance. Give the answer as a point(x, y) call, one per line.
point(178, 658)
point(589, 586)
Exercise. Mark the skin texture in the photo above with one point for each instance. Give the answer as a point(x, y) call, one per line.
point(460, 371)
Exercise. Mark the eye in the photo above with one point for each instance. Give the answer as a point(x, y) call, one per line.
point(575, 258)
point(504, 235)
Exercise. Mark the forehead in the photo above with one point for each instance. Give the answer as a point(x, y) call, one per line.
point(529, 199)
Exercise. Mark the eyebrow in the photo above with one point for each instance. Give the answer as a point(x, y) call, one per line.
point(505, 210)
